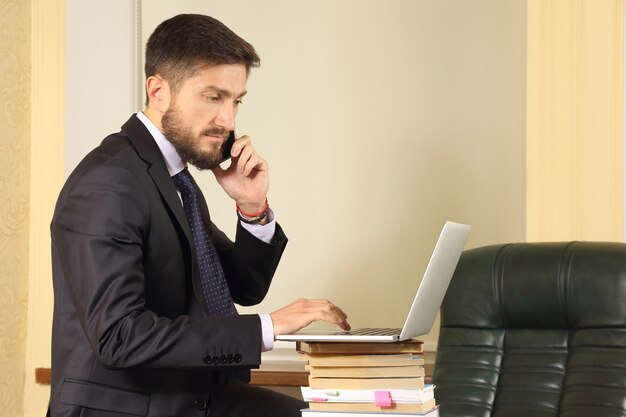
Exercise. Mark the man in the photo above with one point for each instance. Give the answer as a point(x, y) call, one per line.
point(144, 282)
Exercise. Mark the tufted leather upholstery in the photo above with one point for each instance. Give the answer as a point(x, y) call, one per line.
point(535, 330)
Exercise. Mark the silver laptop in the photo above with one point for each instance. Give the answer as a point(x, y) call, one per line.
point(425, 305)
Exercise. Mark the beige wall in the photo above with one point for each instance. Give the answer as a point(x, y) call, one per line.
point(15, 65)
point(100, 73)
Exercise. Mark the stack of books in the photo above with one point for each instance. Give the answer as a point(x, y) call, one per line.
point(366, 379)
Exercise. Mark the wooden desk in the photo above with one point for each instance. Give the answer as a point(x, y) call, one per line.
point(282, 374)
point(273, 375)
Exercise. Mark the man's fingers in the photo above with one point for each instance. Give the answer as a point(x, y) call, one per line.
point(336, 316)
point(303, 312)
point(238, 145)
point(324, 307)
point(247, 160)
point(244, 158)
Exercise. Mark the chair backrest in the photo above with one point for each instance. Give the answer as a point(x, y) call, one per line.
point(534, 330)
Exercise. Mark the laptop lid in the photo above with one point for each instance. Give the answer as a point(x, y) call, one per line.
point(426, 302)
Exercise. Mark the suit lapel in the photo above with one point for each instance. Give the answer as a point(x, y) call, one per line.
point(148, 150)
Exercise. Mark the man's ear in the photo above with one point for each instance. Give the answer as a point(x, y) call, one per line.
point(159, 93)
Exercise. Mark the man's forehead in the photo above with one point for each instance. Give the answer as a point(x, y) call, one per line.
point(226, 79)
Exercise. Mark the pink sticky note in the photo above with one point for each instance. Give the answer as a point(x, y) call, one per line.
point(382, 398)
point(318, 400)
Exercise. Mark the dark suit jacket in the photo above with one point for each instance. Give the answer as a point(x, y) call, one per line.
point(131, 334)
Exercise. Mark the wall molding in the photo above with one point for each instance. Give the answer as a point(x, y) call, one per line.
point(47, 156)
point(575, 123)
point(138, 72)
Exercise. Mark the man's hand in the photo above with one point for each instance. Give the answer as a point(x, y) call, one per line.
point(301, 313)
point(246, 180)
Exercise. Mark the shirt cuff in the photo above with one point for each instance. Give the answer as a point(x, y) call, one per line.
point(264, 232)
point(267, 331)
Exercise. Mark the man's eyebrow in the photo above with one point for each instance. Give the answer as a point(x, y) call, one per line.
point(223, 92)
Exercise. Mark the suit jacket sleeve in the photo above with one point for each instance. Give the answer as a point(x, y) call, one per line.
point(249, 263)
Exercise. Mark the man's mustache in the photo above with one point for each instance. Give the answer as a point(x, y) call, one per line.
point(216, 132)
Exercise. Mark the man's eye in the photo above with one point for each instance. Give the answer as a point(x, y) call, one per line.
point(238, 102)
point(213, 99)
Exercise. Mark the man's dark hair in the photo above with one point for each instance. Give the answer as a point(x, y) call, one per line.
point(183, 44)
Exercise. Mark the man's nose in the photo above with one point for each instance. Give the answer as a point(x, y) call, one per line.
point(226, 117)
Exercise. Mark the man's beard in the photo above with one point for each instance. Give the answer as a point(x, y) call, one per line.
point(188, 145)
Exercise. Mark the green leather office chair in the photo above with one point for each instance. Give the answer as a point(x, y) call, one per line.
point(535, 330)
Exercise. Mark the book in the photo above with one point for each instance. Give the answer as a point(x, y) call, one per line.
point(364, 371)
point(350, 395)
point(355, 406)
point(366, 383)
point(407, 346)
point(400, 359)
point(316, 413)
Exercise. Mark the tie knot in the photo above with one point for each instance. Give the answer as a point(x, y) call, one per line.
point(185, 183)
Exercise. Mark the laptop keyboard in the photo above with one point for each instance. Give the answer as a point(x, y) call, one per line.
point(367, 331)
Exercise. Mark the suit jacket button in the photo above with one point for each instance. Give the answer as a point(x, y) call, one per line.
point(222, 359)
point(237, 357)
point(201, 404)
point(206, 359)
point(230, 358)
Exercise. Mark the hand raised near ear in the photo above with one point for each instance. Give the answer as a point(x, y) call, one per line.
point(246, 179)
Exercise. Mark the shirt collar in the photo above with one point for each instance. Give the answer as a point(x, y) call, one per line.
point(173, 162)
